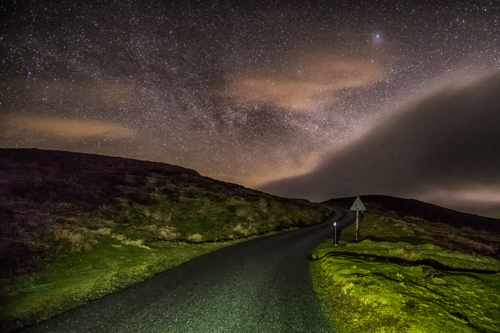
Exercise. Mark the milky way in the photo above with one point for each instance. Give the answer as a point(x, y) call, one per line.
point(248, 93)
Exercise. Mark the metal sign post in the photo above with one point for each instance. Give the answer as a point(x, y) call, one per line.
point(335, 233)
point(357, 206)
point(357, 224)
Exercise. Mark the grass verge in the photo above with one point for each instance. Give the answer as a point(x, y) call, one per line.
point(72, 280)
point(395, 281)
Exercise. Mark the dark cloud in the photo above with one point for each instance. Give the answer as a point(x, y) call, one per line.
point(443, 145)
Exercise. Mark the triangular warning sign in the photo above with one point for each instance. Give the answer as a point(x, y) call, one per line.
point(358, 205)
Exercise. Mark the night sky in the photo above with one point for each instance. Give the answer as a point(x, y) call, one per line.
point(358, 97)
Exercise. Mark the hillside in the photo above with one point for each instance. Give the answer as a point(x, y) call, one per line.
point(45, 192)
point(416, 268)
point(87, 224)
point(416, 208)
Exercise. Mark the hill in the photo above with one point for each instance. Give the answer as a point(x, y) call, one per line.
point(424, 210)
point(474, 230)
point(45, 192)
point(76, 226)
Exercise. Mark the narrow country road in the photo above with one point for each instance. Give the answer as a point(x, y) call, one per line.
point(263, 285)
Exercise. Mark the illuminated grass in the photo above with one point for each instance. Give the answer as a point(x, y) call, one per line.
point(394, 281)
point(75, 279)
point(120, 259)
point(364, 296)
point(409, 253)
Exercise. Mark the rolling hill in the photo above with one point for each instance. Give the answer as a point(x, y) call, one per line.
point(74, 227)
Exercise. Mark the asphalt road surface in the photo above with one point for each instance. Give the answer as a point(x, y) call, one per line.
point(263, 285)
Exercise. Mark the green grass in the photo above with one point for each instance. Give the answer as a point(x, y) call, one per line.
point(394, 281)
point(409, 252)
point(363, 295)
point(73, 280)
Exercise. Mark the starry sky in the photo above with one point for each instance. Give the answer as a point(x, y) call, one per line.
point(268, 94)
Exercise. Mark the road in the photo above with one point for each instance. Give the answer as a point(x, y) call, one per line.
point(262, 285)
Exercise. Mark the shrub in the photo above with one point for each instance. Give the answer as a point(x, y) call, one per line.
point(301, 224)
point(192, 192)
point(196, 238)
point(283, 224)
point(215, 196)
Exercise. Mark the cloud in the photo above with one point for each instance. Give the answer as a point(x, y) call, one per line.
point(303, 82)
point(447, 142)
point(26, 126)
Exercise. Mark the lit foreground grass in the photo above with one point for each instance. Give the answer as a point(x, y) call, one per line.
point(365, 288)
point(75, 279)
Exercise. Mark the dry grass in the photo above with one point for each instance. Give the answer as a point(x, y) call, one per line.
point(380, 224)
point(244, 210)
point(195, 238)
point(124, 240)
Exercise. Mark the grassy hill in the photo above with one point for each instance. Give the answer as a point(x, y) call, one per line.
point(74, 226)
point(415, 208)
point(416, 268)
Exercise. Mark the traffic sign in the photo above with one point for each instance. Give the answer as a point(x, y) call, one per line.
point(358, 205)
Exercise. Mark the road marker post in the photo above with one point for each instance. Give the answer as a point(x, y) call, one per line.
point(357, 206)
point(335, 233)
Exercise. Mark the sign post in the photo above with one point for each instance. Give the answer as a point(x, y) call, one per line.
point(357, 206)
point(335, 233)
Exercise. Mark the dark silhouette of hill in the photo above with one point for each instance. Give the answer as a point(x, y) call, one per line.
point(430, 212)
point(55, 202)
